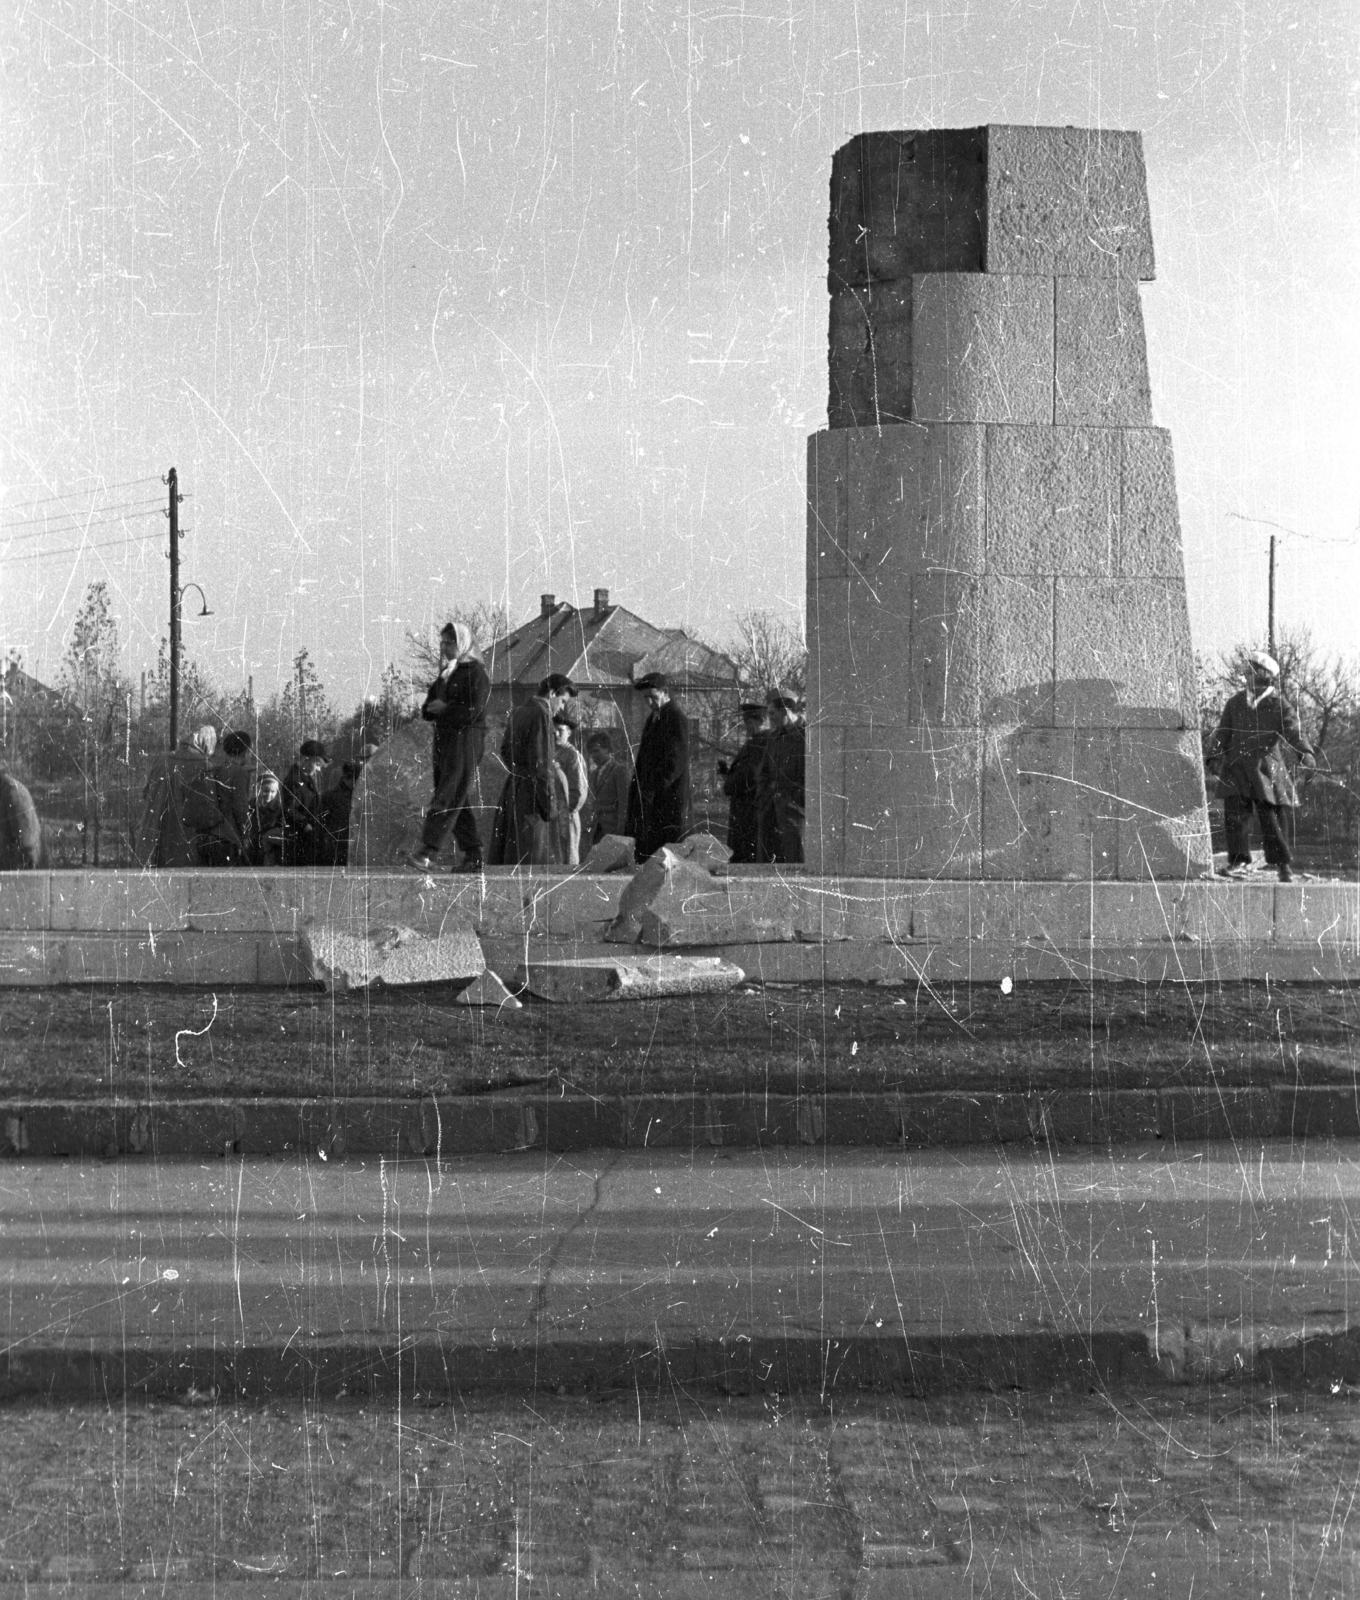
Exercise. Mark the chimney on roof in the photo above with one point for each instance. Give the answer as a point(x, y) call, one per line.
point(547, 604)
point(601, 602)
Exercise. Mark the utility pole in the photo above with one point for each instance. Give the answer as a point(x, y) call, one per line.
point(1270, 604)
point(173, 481)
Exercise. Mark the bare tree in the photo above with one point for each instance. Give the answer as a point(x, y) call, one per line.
point(487, 622)
point(770, 653)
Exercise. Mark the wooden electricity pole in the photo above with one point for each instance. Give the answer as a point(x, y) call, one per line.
point(173, 481)
point(1270, 603)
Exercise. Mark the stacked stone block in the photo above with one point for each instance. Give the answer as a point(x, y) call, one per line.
point(1001, 682)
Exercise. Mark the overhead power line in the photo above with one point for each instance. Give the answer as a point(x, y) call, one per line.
point(76, 494)
point(74, 549)
point(64, 530)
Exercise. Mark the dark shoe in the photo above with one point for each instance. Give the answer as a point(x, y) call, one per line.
point(1286, 876)
point(470, 864)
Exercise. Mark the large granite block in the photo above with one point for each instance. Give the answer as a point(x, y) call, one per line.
point(828, 495)
point(1052, 500)
point(915, 497)
point(912, 803)
point(1067, 202)
point(1015, 651)
point(1122, 654)
point(1047, 806)
point(907, 202)
point(857, 657)
point(1100, 354)
point(1149, 521)
point(25, 899)
point(1163, 822)
point(982, 349)
point(942, 683)
point(824, 833)
point(128, 898)
point(869, 356)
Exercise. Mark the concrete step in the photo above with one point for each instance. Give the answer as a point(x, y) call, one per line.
point(174, 956)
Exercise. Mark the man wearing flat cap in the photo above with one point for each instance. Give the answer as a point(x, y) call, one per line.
point(1248, 748)
point(304, 834)
point(741, 784)
point(782, 804)
point(659, 797)
point(524, 835)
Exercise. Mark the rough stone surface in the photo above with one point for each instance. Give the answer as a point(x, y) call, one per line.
point(347, 957)
point(858, 645)
point(1067, 202)
point(1122, 654)
point(628, 977)
point(1015, 651)
point(913, 803)
point(614, 853)
point(870, 356)
point(488, 990)
point(1163, 822)
point(1052, 500)
point(942, 686)
point(907, 202)
point(828, 476)
point(915, 498)
point(1149, 524)
point(1100, 354)
point(825, 824)
point(1046, 804)
point(673, 903)
point(982, 349)
point(705, 849)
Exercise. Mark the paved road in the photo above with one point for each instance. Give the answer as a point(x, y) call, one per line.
point(636, 1250)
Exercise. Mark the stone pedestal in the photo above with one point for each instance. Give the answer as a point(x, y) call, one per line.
point(1001, 682)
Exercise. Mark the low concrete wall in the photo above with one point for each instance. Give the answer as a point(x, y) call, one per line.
point(248, 927)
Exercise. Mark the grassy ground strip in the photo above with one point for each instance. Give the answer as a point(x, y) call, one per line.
point(147, 1045)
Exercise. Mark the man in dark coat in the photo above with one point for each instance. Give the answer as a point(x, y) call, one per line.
point(524, 835)
point(783, 783)
point(607, 806)
point(741, 785)
point(21, 842)
point(456, 704)
point(659, 798)
point(304, 839)
point(1248, 747)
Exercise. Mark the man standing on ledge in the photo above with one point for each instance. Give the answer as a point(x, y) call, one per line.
point(782, 780)
point(1248, 746)
point(456, 704)
point(659, 801)
point(741, 785)
point(524, 835)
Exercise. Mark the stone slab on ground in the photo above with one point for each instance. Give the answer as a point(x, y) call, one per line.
point(354, 957)
point(487, 990)
point(613, 977)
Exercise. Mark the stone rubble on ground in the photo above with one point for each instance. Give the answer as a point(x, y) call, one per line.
point(676, 903)
point(628, 977)
point(488, 990)
point(613, 853)
point(349, 957)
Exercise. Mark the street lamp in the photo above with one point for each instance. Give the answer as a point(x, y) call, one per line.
point(176, 622)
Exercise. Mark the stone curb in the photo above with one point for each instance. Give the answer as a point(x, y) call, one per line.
point(430, 1368)
point(490, 1125)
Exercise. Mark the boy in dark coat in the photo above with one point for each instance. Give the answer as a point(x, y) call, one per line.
point(304, 842)
point(1248, 747)
point(456, 705)
point(607, 806)
point(659, 799)
point(783, 781)
point(741, 785)
point(524, 835)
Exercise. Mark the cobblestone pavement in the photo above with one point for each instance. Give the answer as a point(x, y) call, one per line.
point(1189, 1493)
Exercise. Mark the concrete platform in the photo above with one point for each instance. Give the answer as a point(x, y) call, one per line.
point(247, 927)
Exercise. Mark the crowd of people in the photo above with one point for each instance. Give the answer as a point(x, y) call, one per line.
point(558, 801)
point(211, 803)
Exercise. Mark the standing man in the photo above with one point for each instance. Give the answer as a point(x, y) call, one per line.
point(303, 822)
point(659, 799)
point(783, 780)
point(607, 807)
point(524, 835)
point(456, 704)
point(1248, 746)
point(741, 785)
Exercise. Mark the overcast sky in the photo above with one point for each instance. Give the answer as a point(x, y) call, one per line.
point(436, 303)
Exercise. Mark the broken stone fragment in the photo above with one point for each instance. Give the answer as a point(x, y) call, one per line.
point(353, 958)
point(614, 853)
point(673, 903)
point(706, 849)
point(488, 990)
point(623, 977)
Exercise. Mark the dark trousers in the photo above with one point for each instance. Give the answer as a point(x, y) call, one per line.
point(449, 810)
point(1237, 825)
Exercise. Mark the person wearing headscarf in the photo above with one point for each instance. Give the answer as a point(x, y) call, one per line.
point(456, 704)
point(573, 789)
point(782, 780)
point(21, 840)
point(741, 781)
point(523, 835)
point(1248, 749)
point(659, 798)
